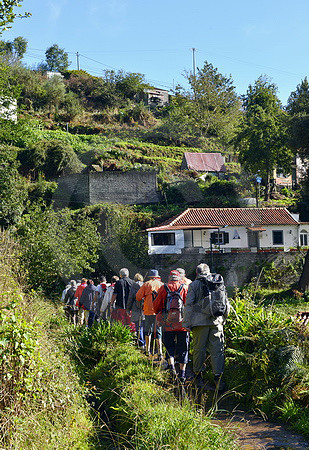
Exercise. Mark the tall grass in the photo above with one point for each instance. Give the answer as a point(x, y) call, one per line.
point(42, 404)
point(144, 410)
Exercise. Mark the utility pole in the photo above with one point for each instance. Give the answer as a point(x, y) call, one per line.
point(77, 60)
point(193, 61)
point(194, 74)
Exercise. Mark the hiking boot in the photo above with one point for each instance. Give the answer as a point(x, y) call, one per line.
point(146, 353)
point(172, 371)
point(158, 358)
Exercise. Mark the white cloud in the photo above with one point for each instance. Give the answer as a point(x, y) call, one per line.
point(110, 8)
point(256, 30)
point(108, 15)
point(54, 10)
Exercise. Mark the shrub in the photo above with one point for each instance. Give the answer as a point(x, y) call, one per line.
point(267, 357)
point(13, 191)
point(51, 157)
point(56, 245)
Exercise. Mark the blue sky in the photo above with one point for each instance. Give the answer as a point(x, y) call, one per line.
point(241, 38)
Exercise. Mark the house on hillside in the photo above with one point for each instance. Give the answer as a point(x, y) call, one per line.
point(8, 108)
point(298, 172)
point(50, 75)
point(229, 230)
point(209, 163)
point(154, 97)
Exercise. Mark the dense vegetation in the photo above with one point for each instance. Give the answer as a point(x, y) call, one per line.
point(68, 123)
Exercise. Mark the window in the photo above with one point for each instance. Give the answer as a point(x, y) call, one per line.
point(278, 237)
point(303, 238)
point(219, 238)
point(163, 238)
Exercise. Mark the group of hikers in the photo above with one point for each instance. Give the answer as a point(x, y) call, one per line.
point(161, 314)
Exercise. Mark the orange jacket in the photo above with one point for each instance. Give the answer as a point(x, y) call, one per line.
point(145, 292)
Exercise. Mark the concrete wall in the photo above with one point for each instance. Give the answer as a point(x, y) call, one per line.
point(132, 187)
point(73, 190)
point(237, 269)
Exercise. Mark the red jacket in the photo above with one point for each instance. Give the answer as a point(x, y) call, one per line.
point(79, 291)
point(159, 303)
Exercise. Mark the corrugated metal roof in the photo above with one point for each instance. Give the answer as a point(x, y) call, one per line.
point(218, 217)
point(205, 162)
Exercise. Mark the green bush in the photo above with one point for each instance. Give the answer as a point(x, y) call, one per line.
point(41, 402)
point(267, 356)
point(56, 245)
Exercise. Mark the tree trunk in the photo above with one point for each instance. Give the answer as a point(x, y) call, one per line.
point(303, 283)
point(267, 186)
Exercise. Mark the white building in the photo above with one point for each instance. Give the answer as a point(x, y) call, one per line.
point(8, 108)
point(229, 230)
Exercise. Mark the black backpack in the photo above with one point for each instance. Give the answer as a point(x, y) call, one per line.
point(215, 301)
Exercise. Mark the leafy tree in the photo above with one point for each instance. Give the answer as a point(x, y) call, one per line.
point(209, 109)
point(263, 134)
point(13, 190)
point(20, 46)
point(56, 59)
point(70, 107)
point(32, 88)
point(50, 157)
point(56, 245)
point(14, 50)
point(298, 101)
point(54, 93)
point(8, 86)
point(298, 109)
point(217, 106)
point(127, 84)
point(7, 15)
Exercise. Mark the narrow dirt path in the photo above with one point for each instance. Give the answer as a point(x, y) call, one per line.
point(252, 432)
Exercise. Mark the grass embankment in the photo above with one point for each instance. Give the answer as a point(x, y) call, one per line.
point(139, 402)
point(41, 401)
point(268, 357)
point(122, 154)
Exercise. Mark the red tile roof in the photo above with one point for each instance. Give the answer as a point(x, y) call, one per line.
point(205, 162)
point(218, 217)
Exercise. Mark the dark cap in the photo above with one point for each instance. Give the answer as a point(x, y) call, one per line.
point(153, 273)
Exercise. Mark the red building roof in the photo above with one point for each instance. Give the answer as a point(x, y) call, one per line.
point(218, 217)
point(204, 162)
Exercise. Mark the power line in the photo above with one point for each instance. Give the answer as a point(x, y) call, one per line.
point(98, 62)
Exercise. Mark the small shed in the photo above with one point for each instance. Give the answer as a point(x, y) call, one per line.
point(210, 163)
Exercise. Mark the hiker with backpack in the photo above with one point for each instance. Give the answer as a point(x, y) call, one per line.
point(169, 307)
point(120, 298)
point(106, 303)
point(98, 299)
point(135, 309)
point(78, 294)
point(85, 302)
point(205, 312)
point(148, 293)
point(70, 300)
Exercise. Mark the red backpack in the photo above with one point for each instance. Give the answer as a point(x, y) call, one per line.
point(172, 314)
